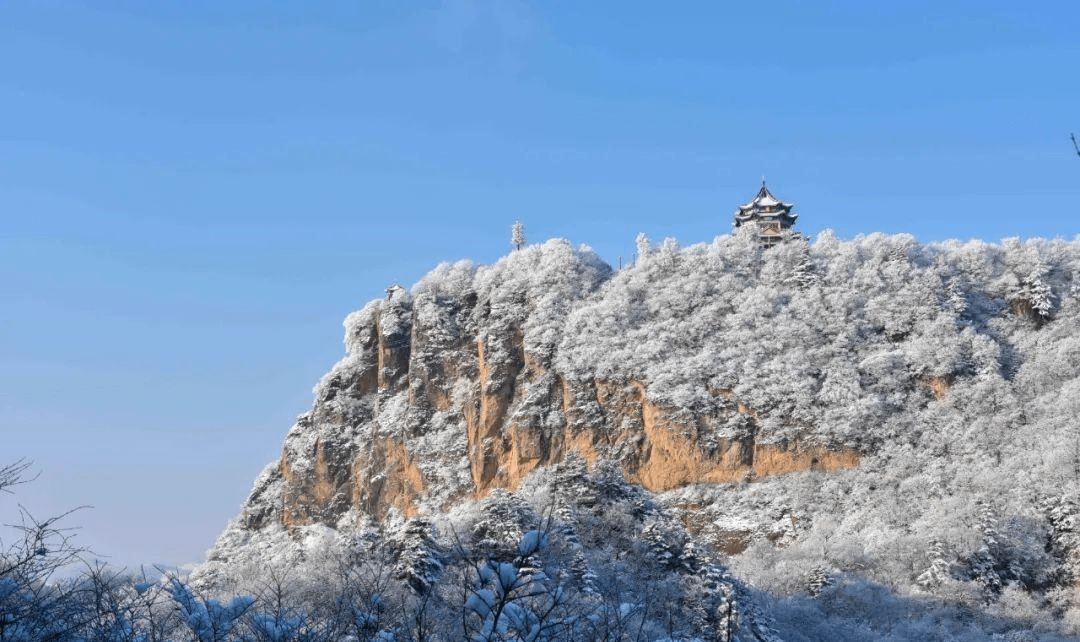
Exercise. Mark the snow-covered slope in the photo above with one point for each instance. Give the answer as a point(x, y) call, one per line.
point(809, 415)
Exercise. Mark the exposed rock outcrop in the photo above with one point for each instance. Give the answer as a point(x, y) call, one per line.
point(447, 394)
point(817, 405)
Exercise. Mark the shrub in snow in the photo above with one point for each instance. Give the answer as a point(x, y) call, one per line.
point(208, 620)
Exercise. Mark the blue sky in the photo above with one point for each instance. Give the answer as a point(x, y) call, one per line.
point(193, 195)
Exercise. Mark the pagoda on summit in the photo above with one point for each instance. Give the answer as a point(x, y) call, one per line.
point(772, 216)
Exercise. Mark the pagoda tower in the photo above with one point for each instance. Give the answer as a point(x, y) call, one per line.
point(771, 216)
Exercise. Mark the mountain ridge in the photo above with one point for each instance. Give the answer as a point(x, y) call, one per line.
point(723, 377)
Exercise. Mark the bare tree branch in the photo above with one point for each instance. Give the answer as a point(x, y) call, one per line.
point(1075, 146)
point(44, 548)
point(14, 474)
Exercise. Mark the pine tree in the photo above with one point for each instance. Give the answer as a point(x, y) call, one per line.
point(1027, 287)
point(938, 571)
point(750, 617)
point(1063, 513)
point(661, 549)
point(517, 235)
point(608, 482)
point(817, 580)
point(515, 600)
point(669, 545)
point(571, 474)
point(582, 573)
point(982, 566)
point(571, 483)
point(504, 518)
point(719, 601)
point(416, 554)
point(954, 297)
point(529, 548)
point(803, 275)
point(1040, 296)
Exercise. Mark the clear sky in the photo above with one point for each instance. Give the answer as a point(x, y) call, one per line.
point(194, 194)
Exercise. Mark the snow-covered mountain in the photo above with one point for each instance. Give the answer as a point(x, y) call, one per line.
point(837, 438)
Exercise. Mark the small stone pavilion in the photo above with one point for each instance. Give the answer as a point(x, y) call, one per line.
point(771, 216)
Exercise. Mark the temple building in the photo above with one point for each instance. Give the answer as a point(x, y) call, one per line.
point(771, 216)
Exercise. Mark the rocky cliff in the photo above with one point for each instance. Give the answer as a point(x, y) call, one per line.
point(778, 398)
point(441, 398)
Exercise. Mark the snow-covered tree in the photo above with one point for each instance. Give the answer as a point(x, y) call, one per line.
point(571, 482)
point(517, 235)
point(644, 246)
point(504, 518)
point(1063, 513)
point(938, 570)
point(984, 562)
point(666, 542)
point(208, 620)
point(516, 601)
point(852, 399)
point(36, 602)
point(817, 580)
point(416, 553)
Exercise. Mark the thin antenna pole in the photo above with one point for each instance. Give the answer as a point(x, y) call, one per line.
point(1075, 146)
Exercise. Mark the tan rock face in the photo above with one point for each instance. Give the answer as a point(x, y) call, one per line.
point(939, 386)
point(399, 484)
point(316, 496)
point(516, 415)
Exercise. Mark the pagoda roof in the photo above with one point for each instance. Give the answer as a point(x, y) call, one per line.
point(764, 199)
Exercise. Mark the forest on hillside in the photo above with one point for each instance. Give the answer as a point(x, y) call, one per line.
point(952, 369)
